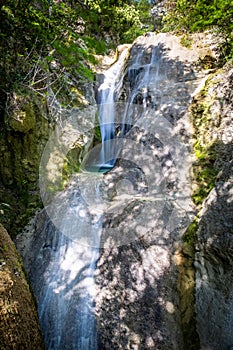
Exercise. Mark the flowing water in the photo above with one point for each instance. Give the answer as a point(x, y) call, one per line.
point(66, 301)
point(108, 94)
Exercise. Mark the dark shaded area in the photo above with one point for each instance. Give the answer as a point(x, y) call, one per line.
point(215, 244)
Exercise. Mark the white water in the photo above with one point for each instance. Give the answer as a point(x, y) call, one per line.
point(143, 75)
point(66, 303)
point(107, 96)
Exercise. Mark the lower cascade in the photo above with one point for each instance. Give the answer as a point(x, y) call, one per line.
point(85, 293)
point(65, 265)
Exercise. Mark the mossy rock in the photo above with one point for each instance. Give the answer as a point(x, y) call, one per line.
point(19, 324)
point(24, 119)
point(22, 140)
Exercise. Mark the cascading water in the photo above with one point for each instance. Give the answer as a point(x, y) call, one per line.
point(66, 301)
point(69, 254)
point(108, 94)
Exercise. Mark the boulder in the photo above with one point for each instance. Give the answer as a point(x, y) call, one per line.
point(19, 324)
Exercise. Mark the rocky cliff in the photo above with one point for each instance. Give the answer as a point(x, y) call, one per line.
point(145, 276)
point(159, 284)
point(146, 294)
point(24, 132)
point(213, 116)
point(29, 120)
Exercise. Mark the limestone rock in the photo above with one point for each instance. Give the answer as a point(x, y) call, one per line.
point(143, 303)
point(214, 264)
point(213, 261)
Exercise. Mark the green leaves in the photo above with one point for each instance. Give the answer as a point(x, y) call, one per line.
point(61, 38)
point(201, 15)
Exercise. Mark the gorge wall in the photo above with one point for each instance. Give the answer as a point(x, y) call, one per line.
point(157, 289)
point(213, 119)
point(159, 285)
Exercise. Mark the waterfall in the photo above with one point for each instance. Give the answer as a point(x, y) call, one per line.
point(108, 94)
point(63, 271)
point(66, 310)
point(126, 204)
point(143, 80)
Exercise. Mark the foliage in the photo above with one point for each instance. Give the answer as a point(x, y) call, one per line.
point(190, 234)
point(69, 33)
point(124, 19)
point(142, 22)
point(200, 15)
point(204, 172)
point(186, 41)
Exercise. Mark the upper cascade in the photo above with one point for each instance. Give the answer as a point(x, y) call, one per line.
point(108, 94)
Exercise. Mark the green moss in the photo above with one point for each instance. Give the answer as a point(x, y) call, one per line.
point(207, 62)
point(204, 171)
point(22, 205)
point(186, 41)
point(190, 235)
point(21, 117)
point(206, 150)
point(71, 164)
point(97, 135)
point(5, 247)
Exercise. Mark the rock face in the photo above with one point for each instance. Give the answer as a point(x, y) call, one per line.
point(143, 303)
point(19, 324)
point(24, 132)
point(213, 262)
point(214, 279)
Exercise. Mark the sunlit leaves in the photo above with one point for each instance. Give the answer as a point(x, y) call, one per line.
point(201, 15)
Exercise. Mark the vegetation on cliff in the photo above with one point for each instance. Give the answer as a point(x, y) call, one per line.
point(47, 49)
point(33, 34)
point(200, 15)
